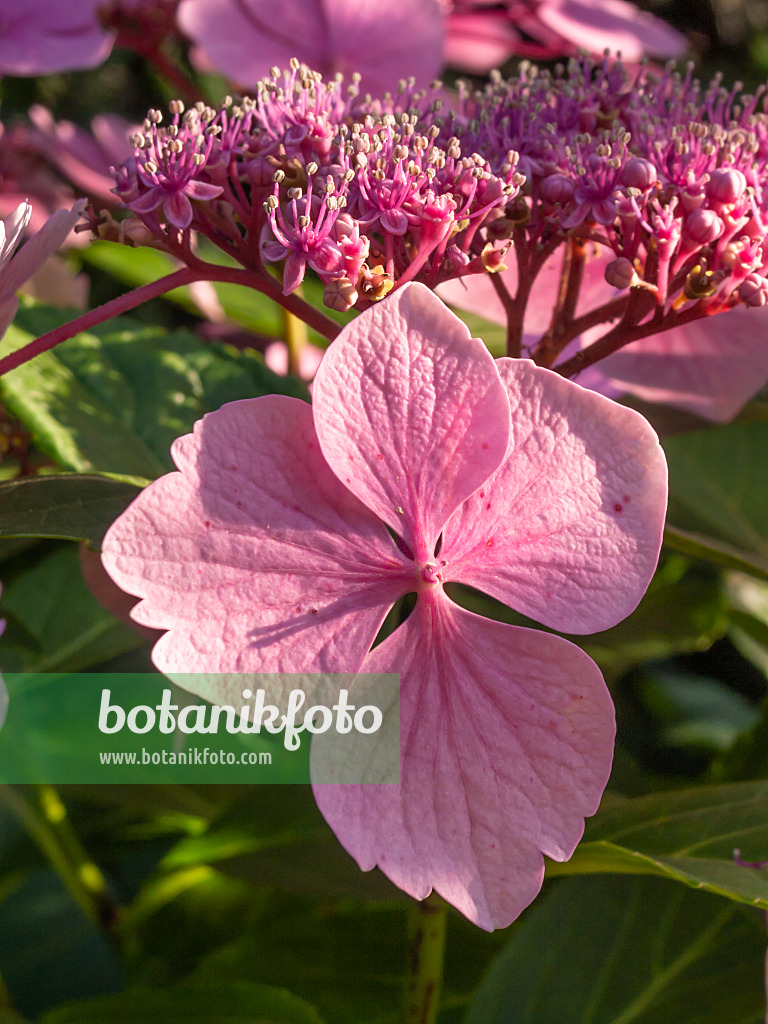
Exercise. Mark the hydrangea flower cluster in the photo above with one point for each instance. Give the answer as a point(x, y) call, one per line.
point(364, 192)
point(645, 205)
point(664, 178)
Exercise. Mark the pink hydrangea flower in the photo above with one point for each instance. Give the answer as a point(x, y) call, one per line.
point(383, 41)
point(18, 268)
point(38, 37)
point(270, 550)
point(483, 35)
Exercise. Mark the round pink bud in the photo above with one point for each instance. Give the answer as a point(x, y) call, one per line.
point(753, 290)
point(639, 173)
point(557, 189)
point(340, 295)
point(620, 273)
point(703, 227)
point(726, 185)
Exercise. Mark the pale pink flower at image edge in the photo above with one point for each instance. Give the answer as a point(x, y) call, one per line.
point(18, 268)
point(269, 551)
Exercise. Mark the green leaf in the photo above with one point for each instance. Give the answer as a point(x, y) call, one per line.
point(494, 335)
point(113, 400)
point(683, 610)
point(718, 499)
point(70, 629)
point(715, 551)
point(49, 950)
point(627, 951)
point(687, 835)
point(231, 1003)
point(67, 507)
point(277, 835)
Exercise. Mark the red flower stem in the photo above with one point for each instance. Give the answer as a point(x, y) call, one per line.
point(556, 338)
point(97, 316)
point(514, 320)
point(263, 282)
point(200, 271)
point(625, 333)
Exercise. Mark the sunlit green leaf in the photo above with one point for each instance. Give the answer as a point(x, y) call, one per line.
point(113, 400)
point(719, 492)
point(69, 507)
point(688, 835)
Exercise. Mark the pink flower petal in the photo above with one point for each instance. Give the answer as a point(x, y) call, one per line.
point(479, 41)
point(411, 413)
point(38, 37)
point(254, 556)
point(178, 209)
point(613, 24)
point(507, 737)
point(568, 530)
point(11, 230)
point(294, 271)
point(202, 190)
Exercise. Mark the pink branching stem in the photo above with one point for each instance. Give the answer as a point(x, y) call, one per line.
point(97, 316)
point(187, 275)
point(623, 334)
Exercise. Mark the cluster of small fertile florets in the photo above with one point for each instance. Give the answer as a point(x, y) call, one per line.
point(363, 192)
point(666, 175)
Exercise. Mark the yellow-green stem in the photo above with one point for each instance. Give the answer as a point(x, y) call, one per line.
point(45, 819)
point(427, 925)
point(295, 339)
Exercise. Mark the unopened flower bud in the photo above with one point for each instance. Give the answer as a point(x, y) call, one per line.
point(557, 189)
point(340, 295)
point(620, 273)
point(726, 185)
point(639, 173)
point(753, 290)
point(133, 231)
point(703, 226)
point(500, 228)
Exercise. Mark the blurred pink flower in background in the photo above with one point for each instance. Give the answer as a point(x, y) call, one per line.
point(40, 37)
point(83, 157)
point(272, 550)
point(482, 34)
point(383, 40)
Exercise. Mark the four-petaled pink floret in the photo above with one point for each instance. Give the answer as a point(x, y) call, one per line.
point(271, 549)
